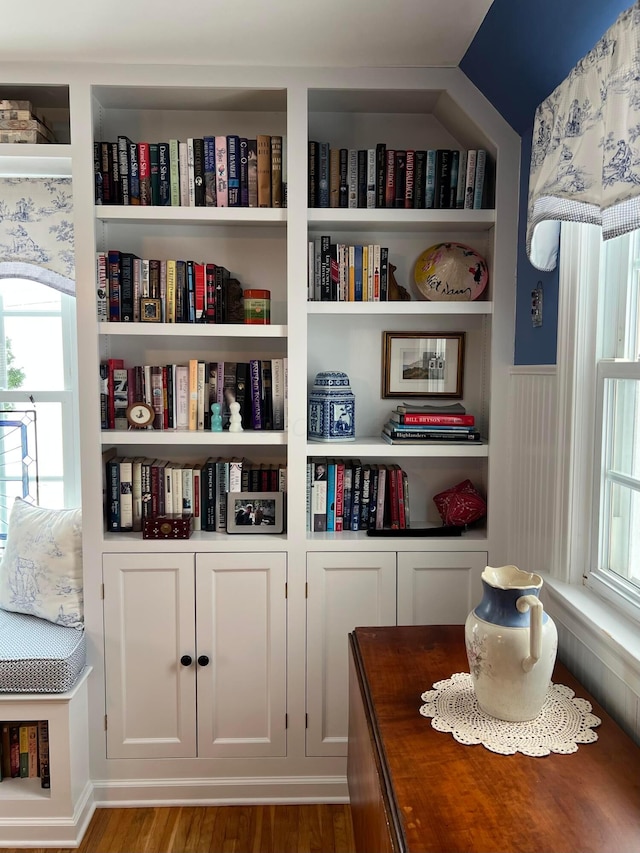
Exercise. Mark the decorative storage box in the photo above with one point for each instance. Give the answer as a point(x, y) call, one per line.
point(174, 526)
point(332, 408)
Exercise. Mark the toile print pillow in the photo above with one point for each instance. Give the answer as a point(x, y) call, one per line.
point(41, 570)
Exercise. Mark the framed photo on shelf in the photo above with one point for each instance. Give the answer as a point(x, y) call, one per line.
point(419, 364)
point(150, 310)
point(255, 512)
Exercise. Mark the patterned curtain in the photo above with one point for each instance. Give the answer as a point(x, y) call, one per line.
point(585, 157)
point(36, 230)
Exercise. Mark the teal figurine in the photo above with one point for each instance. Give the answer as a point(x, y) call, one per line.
point(216, 417)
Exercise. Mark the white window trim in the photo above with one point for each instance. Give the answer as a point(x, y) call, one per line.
point(602, 627)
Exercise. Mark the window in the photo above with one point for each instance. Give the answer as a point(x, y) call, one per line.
point(38, 372)
point(615, 553)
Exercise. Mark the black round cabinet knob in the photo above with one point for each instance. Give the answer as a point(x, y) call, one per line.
point(186, 660)
point(203, 660)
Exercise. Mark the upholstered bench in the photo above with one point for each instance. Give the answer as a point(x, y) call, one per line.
point(37, 656)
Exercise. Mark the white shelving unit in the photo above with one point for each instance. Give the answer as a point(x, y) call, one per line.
point(331, 581)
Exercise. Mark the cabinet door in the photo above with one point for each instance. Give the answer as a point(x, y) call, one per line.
point(241, 628)
point(438, 587)
point(345, 590)
point(148, 627)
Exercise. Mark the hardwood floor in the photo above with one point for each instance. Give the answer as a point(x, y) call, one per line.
point(217, 829)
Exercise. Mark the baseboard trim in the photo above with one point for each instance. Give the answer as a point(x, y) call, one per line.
point(43, 832)
point(221, 791)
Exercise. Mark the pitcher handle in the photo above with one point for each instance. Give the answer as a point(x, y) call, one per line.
point(533, 603)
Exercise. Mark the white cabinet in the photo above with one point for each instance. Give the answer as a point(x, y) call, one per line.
point(438, 587)
point(344, 590)
point(178, 687)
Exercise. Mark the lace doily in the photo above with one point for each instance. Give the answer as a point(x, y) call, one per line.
point(561, 725)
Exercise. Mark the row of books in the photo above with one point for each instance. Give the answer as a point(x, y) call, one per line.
point(211, 171)
point(430, 425)
point(24, 751)
point(137, 488)
point(181, 395)
point(345, 494)
point(382, 177)
point(132, 289)
point(342, 273)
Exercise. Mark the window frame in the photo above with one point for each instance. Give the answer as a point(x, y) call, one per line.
point(66, 397)
point(592, 337)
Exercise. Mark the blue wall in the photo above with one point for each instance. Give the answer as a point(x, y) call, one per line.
point(522, 51)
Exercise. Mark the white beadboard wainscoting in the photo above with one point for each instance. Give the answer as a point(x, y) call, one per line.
point(600, 647)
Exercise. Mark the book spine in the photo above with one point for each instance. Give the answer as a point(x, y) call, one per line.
point(312, 173)
point(390, 179)
point(112, 474)
point(97, 173)
point(154, 169)
point(469, 186)
point(411, 418)
point(409, 184)
point(443, 178)
point(323, 174)
point(43, 753)
point(384, 273)
point(331, 495)
point(126, 494)
point(401, 178)
point(362, 177)
point(276, 171)
point(144, 160)
point(123, 167)
point(252, 171)
point(244, 172)
point(183, 168)
point(256, 393)
point(430, 180)
point(343, 170)
point(319, 495)
point(353, 178)
point(102, 288)
point(164, 175)
point(126, 288)
point(263, 154)
point(334, 177)
point(478, 186)
point(210, 171)
point(420, 180)
point(198, 172)
point(371, 177)
point(381, 159)
point(453, 177)
point(115, 173)
point(233, 170)
point(174, 172)
point(462, 177)
point(339, 497)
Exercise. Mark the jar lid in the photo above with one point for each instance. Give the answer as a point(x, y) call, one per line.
point(332, 379)
point(257, 294)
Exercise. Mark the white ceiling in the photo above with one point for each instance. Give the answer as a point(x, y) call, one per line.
point(348, 33)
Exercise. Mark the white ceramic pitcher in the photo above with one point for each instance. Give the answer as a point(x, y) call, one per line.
point(511, 645)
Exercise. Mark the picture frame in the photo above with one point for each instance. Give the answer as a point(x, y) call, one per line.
point(422, 364)
point(150, 310)
point(243, 508)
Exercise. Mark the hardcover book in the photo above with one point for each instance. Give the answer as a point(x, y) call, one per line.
point(252, 171)
point(144, 162)
point(210, 171)
point(233, 170)
point(276, 171)
point(198, 172)
point(244, 172)
point(164, 175)
point(263, 170)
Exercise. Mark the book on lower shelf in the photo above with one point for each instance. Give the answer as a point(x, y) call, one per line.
point(24, 750)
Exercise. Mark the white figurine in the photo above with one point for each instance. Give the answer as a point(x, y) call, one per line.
point(235, 424)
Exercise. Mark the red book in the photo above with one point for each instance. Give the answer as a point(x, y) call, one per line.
point(165, 399)
point(416, 419)
point(392, 491)
point(402, 521)
point(210, 293)
point(198, 271)
point(409, 179)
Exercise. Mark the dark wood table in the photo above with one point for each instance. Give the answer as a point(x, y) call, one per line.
point(415, 789)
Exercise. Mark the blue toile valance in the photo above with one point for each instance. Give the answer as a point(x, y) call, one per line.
point(36, 229)
point(585, 156)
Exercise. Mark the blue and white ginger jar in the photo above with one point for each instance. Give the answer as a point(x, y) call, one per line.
point(332, 408)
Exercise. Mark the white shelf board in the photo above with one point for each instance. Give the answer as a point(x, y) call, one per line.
point(192, 330)
point(384, 219)
point(19, 160)
point(374, 447)
point(153, 215)
point(199, 541)
point(196, 438)
point(410, 307)
point(470, 540)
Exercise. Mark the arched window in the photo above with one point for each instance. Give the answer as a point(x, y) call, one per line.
point(38, 373)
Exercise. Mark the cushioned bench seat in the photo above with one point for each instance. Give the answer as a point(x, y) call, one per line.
point(37, 656)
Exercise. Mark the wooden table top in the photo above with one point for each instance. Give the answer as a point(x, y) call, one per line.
point(449, 797)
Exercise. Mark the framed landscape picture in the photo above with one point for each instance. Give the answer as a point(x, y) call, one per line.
point(419, 364)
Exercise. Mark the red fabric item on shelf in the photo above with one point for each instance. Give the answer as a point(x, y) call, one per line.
point(461, 504)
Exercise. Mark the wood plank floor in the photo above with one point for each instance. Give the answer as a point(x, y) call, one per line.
point(217, 829)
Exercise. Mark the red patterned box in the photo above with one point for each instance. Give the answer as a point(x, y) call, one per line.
point(168, 527)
